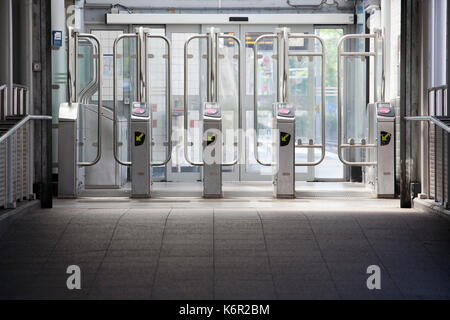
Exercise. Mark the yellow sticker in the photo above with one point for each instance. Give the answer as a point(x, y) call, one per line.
point(139, 138)
point(285, 137)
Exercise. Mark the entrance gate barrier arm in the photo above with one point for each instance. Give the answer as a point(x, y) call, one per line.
point(186, 100)
point(362, 55)
point(99, 81)
point(169, 103)
point(238, 42)
point(321, 54)
point(140, 36)
point(213, 90)
point(73, 83)
point(115, 99)
point(90, 87)
point(255, 100)
point(283, 87)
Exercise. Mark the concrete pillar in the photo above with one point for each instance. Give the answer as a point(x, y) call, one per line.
point(6, 48)
point(410, 97)
point(41, 51)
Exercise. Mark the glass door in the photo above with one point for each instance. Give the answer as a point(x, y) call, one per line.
point(332, 168)
point(178, 168)
point(251, 170)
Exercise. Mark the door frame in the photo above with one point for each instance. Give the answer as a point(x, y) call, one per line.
point(239, 174)
point(345, 169)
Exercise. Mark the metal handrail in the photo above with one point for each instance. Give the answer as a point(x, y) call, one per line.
point(70, 83)
point(439, 88)
point(433, 119)
point(438, 122)
point(11, 173)
point(341, 53)
point(169, 104)
point(141, 49)
point(92, 37)
point(186, 99)
point(20, 86)
point(21, 123)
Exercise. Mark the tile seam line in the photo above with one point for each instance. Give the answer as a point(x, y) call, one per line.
point(321, 254)
point(422, 242)
point(379, 258)
point(106, 251)
point(53, 250)
point(268, 256)
point(155, 273)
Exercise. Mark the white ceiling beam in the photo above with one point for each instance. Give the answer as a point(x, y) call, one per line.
point(154, 18)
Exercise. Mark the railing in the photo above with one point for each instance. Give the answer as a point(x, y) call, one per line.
point(3, 101)
point(16, 161)
point(438, 120)
point(21, 100)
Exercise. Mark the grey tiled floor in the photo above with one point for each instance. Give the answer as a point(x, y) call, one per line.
point(285, 250)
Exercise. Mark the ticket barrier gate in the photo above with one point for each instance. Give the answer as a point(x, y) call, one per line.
point(141, 170)
point(284, 142)
point(284, 113)
point(212, 131)
point(70, 169)
point(385, 186)
point(141, 118)
point(380, 143)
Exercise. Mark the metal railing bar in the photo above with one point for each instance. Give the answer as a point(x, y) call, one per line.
point(84, 94)
point(21, 123)
point(4, 102)
point(115, 97)
point(186, 99)
point(239, 107)
point(99, 98)
point(358, 54)
point(255, 97)
point(432, 119)
point(321, 54)
point(444, 87)
point(169, 93)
